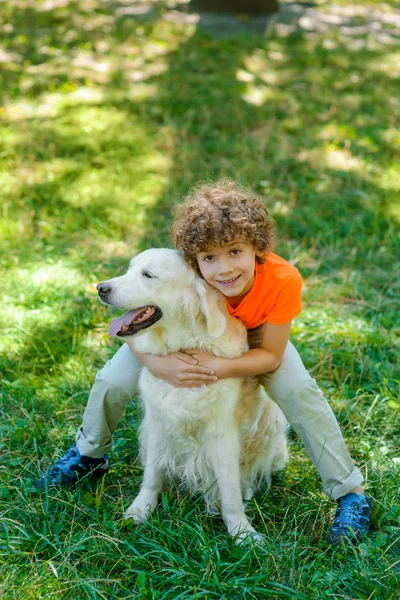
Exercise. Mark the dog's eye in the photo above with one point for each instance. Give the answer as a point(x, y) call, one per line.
point(148, 275)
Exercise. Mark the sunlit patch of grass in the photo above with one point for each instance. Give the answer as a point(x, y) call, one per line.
point(390, 65)
point(390, 178)
point(331, 157)
point(34, 301)
point(258, 94)
point(48, 105)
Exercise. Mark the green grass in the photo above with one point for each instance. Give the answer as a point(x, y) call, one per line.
point(107, 119)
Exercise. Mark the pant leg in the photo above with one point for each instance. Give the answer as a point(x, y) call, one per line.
point(114, 387)
point(308, 412)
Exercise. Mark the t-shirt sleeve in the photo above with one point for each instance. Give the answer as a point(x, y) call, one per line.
point(288, 302)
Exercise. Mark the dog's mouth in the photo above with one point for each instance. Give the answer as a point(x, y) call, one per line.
point(134, 320)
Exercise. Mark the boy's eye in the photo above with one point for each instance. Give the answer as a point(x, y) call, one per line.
point(208, 258)
point(235, 251)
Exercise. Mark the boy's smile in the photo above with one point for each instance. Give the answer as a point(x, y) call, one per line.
point(229, 268)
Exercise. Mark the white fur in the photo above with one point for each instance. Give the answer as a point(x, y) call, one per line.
point(222, 439)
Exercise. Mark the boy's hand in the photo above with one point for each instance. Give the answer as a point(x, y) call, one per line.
point(205, 359)
point(180, 370)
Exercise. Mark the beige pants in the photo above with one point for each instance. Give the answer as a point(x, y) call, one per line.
point(290, 386)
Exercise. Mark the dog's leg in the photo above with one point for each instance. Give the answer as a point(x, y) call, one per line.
point(147, 499)
point(247, 493)
point(224, 457)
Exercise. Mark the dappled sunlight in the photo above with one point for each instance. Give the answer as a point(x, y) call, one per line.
point(35, 297)
point(50, 106)
point(342, 160)
point(96, 120)
point(266, 67)
point(392, 137)
point(258, 63)
point(146, 72)
point(98, 65)
point(138, 92)
point(39, 172)
point(116, 116)
point(41, 283)
point(333, 158)
point(359, 25)
point(352, 329)
point(84, 95)
point(261, 77)
point(57, 276)
point(8, 184)
point(128, 183)
point(389, 179)
point(117, 248)
point(72, 371)
point(123, 181)
point(98, 338)
point(47, 5)
point(89, 66)
point(258, 94)
point(10, 229)
point(9, 137)
point(336, 132)
point(9, 58)
point(22, 322)
point(242, 75)
point(388, 64)
point(68, 107)
point(47, 106)
point(265, 72)
point(280, 208)
point(92, 22)
point(130, 193)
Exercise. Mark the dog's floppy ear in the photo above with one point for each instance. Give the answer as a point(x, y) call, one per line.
point(209, 307)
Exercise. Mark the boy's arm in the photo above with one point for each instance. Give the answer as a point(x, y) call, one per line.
point(256, 361)
point(178, 369)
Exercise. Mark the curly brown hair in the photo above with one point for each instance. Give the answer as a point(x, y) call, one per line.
point(216, 213)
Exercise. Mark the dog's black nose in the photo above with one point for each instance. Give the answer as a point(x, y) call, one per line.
point(103, 289)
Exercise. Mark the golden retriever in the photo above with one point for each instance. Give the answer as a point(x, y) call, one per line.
point(223, 439)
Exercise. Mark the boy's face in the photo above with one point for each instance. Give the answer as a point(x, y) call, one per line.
point(229, 268)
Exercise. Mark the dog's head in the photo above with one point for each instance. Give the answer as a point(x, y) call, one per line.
point(160, 287)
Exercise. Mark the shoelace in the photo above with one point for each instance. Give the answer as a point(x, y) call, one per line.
point(353, 516)
point(71, 453)
point(348, 512)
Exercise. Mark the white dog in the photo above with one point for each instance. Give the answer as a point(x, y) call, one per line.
point(223, 439)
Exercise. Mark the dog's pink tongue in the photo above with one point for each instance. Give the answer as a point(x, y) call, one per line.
point(126, 319)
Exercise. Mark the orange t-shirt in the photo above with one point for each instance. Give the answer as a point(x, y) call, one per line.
point(275, 296)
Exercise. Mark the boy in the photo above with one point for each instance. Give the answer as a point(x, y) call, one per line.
point(226, 235)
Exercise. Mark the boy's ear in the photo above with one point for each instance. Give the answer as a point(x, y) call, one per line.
point(260, 258)
point(209, 307)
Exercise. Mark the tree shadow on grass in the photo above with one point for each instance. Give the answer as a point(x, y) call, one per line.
point(133, 111)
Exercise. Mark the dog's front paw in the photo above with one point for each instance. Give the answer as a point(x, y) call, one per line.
point(140, 510)
point(137, 514)
point(244, 533)
point(249, 538)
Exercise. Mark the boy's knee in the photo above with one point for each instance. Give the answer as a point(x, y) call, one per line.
point(116, 381)
point(284, 384)
point(300, 397)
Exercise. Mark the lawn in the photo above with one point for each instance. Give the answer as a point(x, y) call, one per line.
point(110, 112)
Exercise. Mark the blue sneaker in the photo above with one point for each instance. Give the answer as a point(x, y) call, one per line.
point(72, 467)
point(352, 519)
